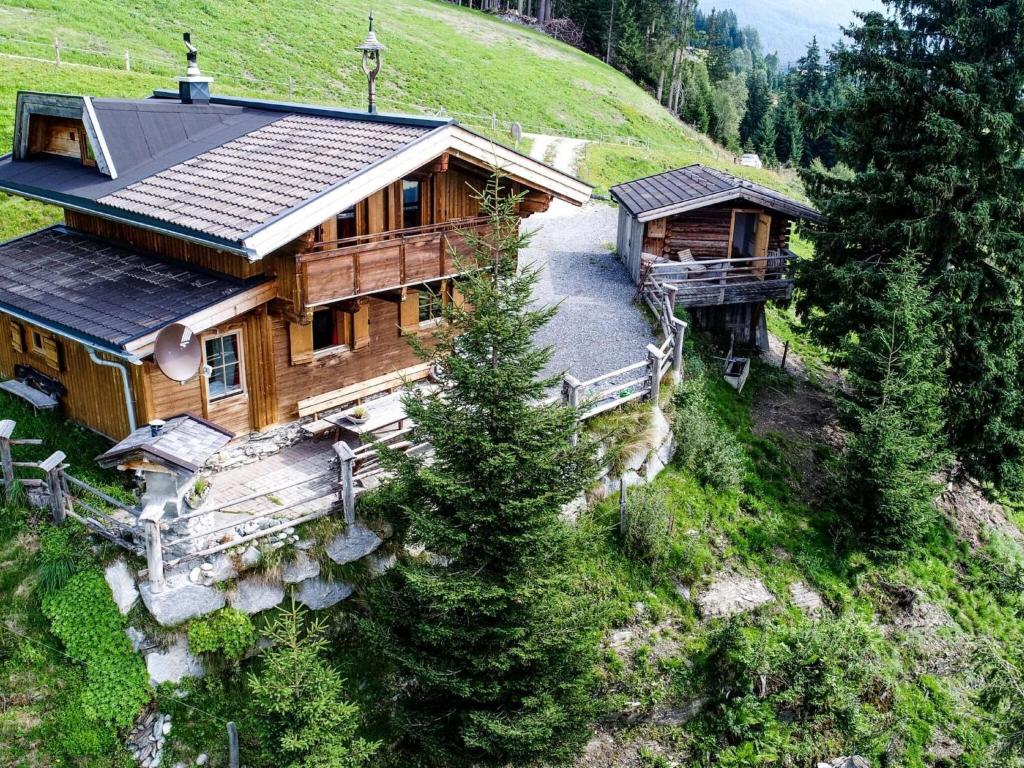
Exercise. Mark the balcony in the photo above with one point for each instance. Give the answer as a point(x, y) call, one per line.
point(728, 281)
point(342, 269)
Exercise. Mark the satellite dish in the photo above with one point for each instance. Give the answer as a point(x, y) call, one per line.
point(177, 352)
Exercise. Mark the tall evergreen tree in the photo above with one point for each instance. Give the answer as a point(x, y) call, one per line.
point(630, 54)
point(763, 140)
point(759, 105)
point(894, 414)
point(935, 135)
point(789, 137)
point(492, 651)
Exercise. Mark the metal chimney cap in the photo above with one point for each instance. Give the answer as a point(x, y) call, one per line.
point(371, 43)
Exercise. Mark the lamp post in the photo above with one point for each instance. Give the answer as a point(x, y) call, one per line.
point(372, 53)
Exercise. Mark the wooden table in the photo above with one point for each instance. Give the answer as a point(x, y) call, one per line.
point(381, 414)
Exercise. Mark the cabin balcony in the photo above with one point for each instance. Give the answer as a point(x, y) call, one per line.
point(710, 283)
point(336, 270)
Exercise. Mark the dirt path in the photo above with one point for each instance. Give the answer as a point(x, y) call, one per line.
point(567, 151)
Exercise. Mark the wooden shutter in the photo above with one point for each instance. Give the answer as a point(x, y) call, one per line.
point(359, 322)
point(51, 351)
point(301, 340)
point(457, 298)
point(656, 229)
point(17, 336)
point(409, 312)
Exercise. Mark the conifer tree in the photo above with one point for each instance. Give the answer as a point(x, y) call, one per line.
point(764, 139)
point(759, 105)
point(934, 133)
point(789, 138)
point(894, 415)
point(492, 655)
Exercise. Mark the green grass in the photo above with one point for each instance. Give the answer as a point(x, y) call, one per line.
point(439, 56)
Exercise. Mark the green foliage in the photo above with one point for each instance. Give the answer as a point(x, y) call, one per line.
point(492, 648)
point(648, 526)
point(60, 556)
point(1001, 697)
point(228, 632)
point(302, 700)
point(895, 416)
point(703, 445)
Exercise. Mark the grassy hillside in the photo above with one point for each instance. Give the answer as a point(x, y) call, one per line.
point(439, 56)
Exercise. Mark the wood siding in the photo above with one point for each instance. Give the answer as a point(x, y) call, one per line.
point(706, 232)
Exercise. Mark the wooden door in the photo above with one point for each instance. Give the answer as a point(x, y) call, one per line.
point(764, 228)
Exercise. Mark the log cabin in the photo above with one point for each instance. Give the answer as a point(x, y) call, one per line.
point(721, 242)
point(299, 244)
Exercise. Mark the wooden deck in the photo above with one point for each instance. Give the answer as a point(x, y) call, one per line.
point(710, 283)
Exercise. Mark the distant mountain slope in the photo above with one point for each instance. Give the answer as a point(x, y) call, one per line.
point(787, 26)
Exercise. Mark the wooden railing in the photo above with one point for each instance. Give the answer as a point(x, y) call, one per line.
point(339, 269)
point(728, 281)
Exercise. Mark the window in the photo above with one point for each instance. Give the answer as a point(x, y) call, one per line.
point(411, 216)
point(430, 303)
point(223, 356)
point(330, 327)
point(37, 343)
point(347, 224)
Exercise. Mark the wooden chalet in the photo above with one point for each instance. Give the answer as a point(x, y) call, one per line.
point(721, 242)
point(298, 243)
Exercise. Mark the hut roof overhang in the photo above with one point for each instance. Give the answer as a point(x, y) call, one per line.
point(697, 186)
point(183, 444)
point(243, 175)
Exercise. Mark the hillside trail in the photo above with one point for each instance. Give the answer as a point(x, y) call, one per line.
point(561, 152)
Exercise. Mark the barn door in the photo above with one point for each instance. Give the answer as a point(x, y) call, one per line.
point(764, 228)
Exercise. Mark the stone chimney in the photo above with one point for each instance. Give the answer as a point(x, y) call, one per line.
point(193, 87)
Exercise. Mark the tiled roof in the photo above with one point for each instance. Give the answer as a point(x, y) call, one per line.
point(690, 186)
point(102, 292)
point(231, 190)
point(186, 442)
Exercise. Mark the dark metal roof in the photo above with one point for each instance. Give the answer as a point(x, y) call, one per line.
point(103, 294)
point(231, 190)
point(696, 186)
point(186, 442)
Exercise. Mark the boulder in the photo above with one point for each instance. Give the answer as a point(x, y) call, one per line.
point(631, 479)
point(381, 564)
point(173, 665)
point(731, 594)
point(574, 508)
point(654, 468)
point(181, 600)
point(256, 594)
point(661, 430)
point(637, 458)
point(138, 639)
point(301, 568)
point(806, 599)
point(355, 542)
point(122, 585)
point(855, 761)
point(318, 593)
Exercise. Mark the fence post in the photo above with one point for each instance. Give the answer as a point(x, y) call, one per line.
point(56, 48)
point(679, 331)
point(233, 756)
point(622, 506)
point(654, 364)
point(6, 463)
point(785, 354)
point(51, 466)
point(150, 517)
point(127, 61)
point(348, 494)
point(670, 294)
point(571, 396)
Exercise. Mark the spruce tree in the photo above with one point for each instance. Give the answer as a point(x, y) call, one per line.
point(934, 132)
point(894, 415)
point(789, 138)
point(765, 137)
point(759, 105)
point(492, 651)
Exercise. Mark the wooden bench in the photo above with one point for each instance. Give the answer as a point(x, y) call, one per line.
point(354, 393)
point(38, 399)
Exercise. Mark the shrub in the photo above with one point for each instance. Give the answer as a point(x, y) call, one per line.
point(648, 524)
point(59, 558)
point(228, 632)
point(703, 445)
point(84, 616)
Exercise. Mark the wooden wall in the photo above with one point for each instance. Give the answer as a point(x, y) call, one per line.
point(706, 232)
point(95, 395)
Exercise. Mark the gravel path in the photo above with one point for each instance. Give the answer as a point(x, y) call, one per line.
point(597, 330)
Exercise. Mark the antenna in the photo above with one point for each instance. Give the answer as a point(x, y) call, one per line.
point(177, 352)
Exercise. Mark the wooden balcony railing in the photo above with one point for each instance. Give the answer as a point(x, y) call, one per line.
point(341, 269)
point(729, 281)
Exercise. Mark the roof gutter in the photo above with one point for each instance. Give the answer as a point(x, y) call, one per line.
point(85, 341)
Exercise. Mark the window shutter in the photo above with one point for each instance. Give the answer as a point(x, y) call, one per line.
point(17, 337)
point(360, 323)
point(458, 300)
point(409, 312)
point(51, 352)
point(301, 340)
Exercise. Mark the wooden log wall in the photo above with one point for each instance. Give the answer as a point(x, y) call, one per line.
point(706, 232)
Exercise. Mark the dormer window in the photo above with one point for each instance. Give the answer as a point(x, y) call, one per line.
point(60, 136)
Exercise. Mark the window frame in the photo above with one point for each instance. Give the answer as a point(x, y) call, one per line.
point(240, 353)
point(336, 349)
point(36, 349)
point(406, 185)
point(439, 298)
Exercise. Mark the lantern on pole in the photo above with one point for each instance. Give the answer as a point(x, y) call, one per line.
point(372, 54)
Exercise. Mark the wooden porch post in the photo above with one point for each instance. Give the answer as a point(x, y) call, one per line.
point(6, 430)
point(346, 458)
point(51, 466)
point(654, 364)
point(679, 332)
point(150, 518)
point(571, 397)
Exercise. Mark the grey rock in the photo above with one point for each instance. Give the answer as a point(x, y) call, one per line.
point(854, 761)
point(250, 557)
point(222, 568)
point(574, 508)
point(122, 585)
point(318, 593)
point(301, 568)
point(661, 430)
point(256, 594)
point(138, 639)
point(654, 467)
point(381, 564)
point(631, 479)
point(353, 543)
point(202, 758)
point(638, 458)
point(679, 715)
point(173, 665)
point(181, 600)
point(730, 594)
point(806, 599)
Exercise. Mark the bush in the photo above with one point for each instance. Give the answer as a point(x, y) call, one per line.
point(84, 616)
point(648, 524)
point(60, 556)
point(703, 445)
point(228, 632)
